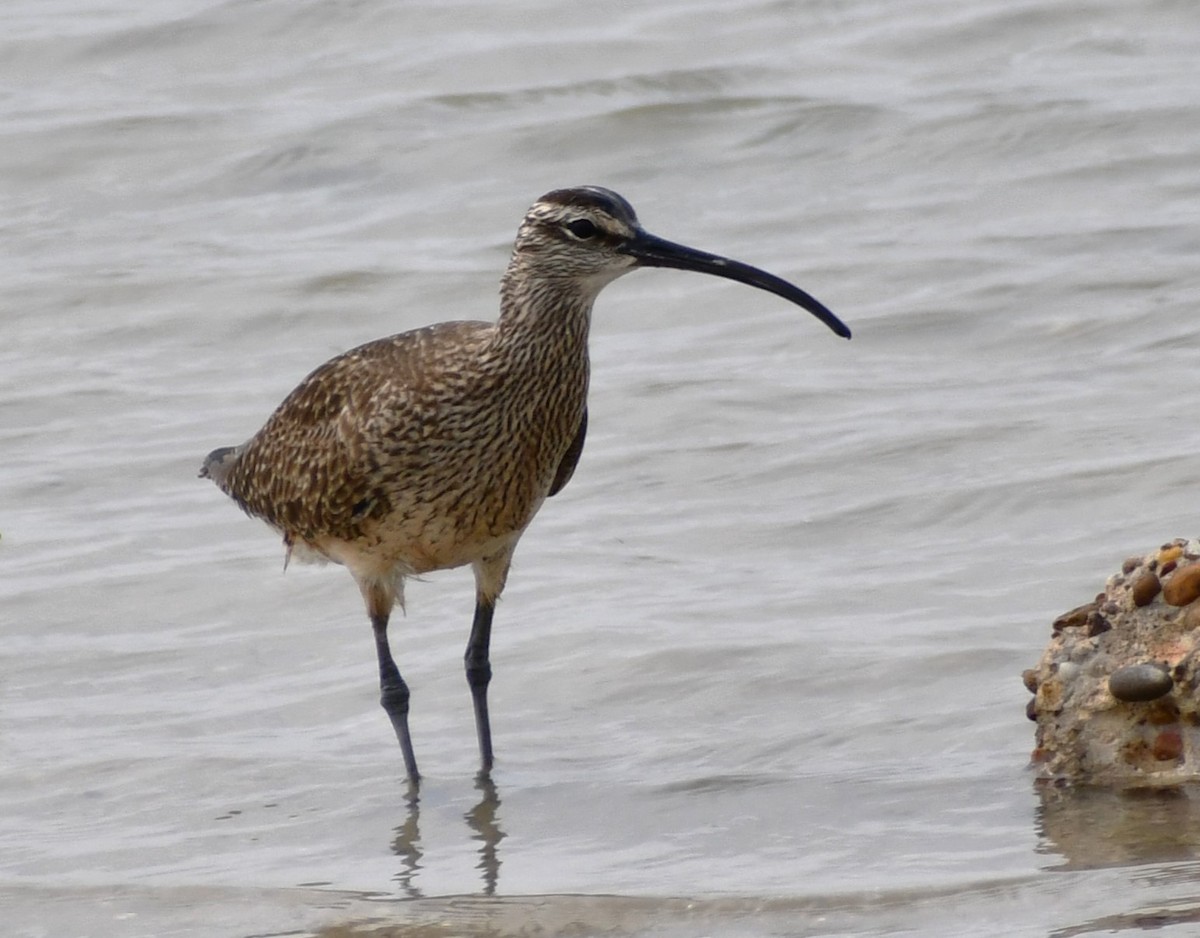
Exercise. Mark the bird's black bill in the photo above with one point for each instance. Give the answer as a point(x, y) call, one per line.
point(652, 251)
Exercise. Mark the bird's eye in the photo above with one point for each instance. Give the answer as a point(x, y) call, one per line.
point(582, 229)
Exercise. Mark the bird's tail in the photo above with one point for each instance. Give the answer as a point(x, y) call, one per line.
point(219, 462)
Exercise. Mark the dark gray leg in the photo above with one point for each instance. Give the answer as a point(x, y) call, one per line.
point(479, 674)
point(394, 695)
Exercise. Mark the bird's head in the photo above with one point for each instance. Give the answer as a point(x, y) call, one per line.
point(576, 235)
point(590, 236)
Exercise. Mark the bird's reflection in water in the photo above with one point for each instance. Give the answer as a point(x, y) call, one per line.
point(484, 821)
point(407, 845)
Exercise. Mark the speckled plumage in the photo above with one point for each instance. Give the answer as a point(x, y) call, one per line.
point(435, 448)
point(407, 454)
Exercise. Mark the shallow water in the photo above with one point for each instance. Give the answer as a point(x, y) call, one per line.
point(758, 666)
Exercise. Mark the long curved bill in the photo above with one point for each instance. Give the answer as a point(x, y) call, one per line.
point(652, 251)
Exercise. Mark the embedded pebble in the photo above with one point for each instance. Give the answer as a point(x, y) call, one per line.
point(1145, 588)
point(1049, 697)
point(1168, 746)
point(1075, 619)
point(1139, 682)
point(1164, 712)
point(1169, 553)
point(1097, 625)
point(1183, 587)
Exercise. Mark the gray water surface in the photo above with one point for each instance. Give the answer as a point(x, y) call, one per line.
point(758, 666)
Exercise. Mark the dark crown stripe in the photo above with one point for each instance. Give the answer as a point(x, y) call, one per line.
point(595, 197)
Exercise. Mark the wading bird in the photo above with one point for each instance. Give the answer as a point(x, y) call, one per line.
point(435, 448)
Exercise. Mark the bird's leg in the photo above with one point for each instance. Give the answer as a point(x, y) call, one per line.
point(490, 573)
point(394, 694)
point(479, 673)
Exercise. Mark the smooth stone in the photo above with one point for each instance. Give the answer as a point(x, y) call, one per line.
point(1139, 683)
point(1145, 588)
point(1184, 586)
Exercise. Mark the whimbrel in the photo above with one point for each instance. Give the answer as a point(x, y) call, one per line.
point(435, 448)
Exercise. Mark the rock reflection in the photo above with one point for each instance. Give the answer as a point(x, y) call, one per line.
point(483, 820)
point(1150, 920)
point(406, 844)
point(1092, 827)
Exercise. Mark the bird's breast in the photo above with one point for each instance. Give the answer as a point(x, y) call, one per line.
point(465, 481)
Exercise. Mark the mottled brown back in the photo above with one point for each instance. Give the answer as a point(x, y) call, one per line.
point(428, 430)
